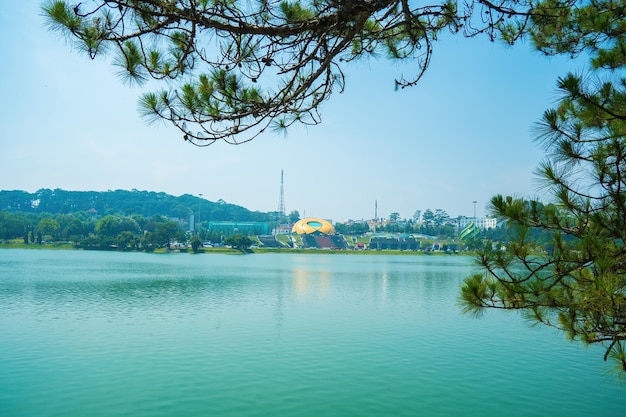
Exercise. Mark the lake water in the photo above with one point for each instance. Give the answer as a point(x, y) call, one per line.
point(95, 334)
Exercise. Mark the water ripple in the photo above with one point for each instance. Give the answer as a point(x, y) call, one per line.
point(108, 334)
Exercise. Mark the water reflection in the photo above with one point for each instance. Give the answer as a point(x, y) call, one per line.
point(125, 284)
point(305, 282)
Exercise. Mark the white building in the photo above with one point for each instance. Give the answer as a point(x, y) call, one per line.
point(282, 229)
point(481, 222)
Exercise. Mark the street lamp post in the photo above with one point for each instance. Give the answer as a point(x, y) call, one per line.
point(199, 206)
point(475, 212)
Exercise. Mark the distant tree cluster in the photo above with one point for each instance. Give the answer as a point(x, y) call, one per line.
point(239, 242)
point(144, 203)
point(352, 228)
point(86, 231)
point(35, 228)
point(124, 220)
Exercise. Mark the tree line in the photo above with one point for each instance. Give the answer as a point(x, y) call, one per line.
point(120, 219)
point(89, 232)
point(144, 203)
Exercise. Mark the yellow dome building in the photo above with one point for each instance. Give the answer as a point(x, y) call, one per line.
point(312, 225)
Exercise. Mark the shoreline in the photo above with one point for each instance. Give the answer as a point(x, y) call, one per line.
point(357, 252)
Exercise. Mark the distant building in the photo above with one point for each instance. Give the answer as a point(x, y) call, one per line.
point(282, 229)
point(318, 233)
point(312, 225)
point(244, 228)
point(377, 224)
point(481, 222)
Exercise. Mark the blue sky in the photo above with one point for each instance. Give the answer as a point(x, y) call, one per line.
point(463, 134)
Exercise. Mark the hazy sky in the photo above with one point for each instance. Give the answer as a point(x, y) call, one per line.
point(463, 134)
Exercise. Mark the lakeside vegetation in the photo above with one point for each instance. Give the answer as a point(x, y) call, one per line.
point(149, 221)
point(17, 244)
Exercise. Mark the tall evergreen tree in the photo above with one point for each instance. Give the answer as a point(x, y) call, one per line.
point(234, 68)
point(576, 283)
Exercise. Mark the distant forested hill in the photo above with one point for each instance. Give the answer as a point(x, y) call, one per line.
point(146, 203)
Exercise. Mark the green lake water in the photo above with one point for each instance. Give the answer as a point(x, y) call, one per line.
point(99, 334)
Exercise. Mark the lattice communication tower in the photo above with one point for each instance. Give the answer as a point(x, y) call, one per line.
point(281, 200)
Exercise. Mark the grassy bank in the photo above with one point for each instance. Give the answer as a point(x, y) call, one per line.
point(223, 250)
point(21, 245)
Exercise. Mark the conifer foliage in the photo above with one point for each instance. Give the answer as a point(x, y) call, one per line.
point(576, 281)
point(232, 69)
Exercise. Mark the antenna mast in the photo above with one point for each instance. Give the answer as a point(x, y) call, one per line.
point(375, 214)
point(281, 201)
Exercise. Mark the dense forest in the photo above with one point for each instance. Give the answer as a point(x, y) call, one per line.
point(112, 219)
point(144, 203)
